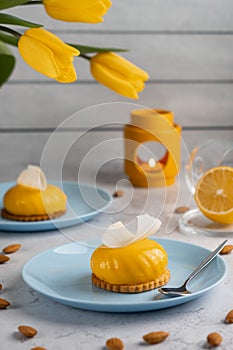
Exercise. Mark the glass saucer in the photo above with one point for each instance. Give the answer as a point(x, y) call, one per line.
point(193, 222)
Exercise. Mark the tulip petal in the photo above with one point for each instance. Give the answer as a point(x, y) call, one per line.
point(87, 16)
point(118, 74)
point(99, 8)
point(121, 65)
point(51, 41)
point(89, 3)
point(71, 4)
point(48, 54)
point(74, 16)
point(38, 56)
point(138, 84)
point(63, 53)
point(113, 81)
point(90, 11)
point(107, 4)
point(93, 14)
point(68, 75)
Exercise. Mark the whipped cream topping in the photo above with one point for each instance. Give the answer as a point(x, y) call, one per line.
point(33, 177)
point(117, 235)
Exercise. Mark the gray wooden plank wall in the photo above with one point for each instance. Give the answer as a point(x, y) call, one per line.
point(185, 46)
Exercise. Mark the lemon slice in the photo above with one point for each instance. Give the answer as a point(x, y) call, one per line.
point(33, 177)
point(214, 194)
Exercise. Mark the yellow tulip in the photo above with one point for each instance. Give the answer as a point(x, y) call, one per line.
point(47, 54)
point(90, 11)
point(118, 74)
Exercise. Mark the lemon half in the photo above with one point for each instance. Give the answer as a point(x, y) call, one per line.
point(214, 194)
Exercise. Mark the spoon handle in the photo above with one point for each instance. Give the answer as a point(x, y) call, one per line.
point(205, 262)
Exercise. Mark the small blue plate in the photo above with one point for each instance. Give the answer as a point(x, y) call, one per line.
point(64, 274)
point(83, 203)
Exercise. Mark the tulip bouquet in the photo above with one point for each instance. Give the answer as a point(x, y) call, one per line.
point(49, 55)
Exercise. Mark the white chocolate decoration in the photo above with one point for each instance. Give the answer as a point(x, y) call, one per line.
point(117, 235)
point(33, 177)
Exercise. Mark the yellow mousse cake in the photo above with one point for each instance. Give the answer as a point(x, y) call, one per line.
point(28, 201)
point(137, 267)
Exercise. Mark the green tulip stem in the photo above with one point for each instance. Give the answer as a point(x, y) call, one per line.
point(37, 2)
point(9, 39)
point(10, 31)
point(84, 56)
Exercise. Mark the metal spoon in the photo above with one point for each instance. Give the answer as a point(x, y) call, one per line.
point(182, 290)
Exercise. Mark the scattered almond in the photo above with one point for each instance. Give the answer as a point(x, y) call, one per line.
point(226, 249)
point(38, 348)
point(4, 303)
point(117, 194)
point(229, 317)
point(114, 344)
point(3, 258)
point(155, 337)
point(181, 210)
point(0, 286)
point(11, 248)
point(27, 331)
point(214, 339)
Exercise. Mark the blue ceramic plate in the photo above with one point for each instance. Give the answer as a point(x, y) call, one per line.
point(84, 202)
point(63, 274)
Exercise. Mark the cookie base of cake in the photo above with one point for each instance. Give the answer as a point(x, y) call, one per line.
point(6, 215)
point(132, 288)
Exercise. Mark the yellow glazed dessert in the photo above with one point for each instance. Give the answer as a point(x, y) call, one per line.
point(136, 267)
point(32, 199)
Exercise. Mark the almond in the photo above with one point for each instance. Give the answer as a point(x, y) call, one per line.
point(214, 339)
point(27, 331)
point(114, 344)
point(11, 248)
point(4, 303)
point(155, 337)
point(229, 317)
point(227, 249)
point(117, 194)
point(38, 348)
point(181, 210)
point(3, 258)
point(0, 286)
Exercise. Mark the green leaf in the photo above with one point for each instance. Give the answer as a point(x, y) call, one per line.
point(91, 49)
point(9, 19)
point(5, 4)
point(9, 39)
point(7, 63)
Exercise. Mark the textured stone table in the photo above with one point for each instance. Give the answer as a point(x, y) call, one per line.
point(63, 327)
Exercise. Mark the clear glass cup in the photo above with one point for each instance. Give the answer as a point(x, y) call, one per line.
point(207, 155)
point(203, 157)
